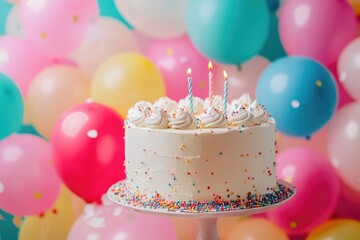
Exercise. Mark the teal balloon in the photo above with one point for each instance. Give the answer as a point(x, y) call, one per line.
point(11, 107)
point(228, 31)
point(273, 48)
point(108, 8)
point(300, 93)
point(273, 5)
point(29, 129)
point(5, 8)
point(8, 230)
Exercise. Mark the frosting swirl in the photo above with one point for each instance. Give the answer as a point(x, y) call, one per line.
point(217, 102)
point(183, 120)
point(198, 104)
point(167, 104)
point(240, 116)
point(138, 114)
point(158, 119)
point(259, 112)
point(243, 101)
point(213, 118)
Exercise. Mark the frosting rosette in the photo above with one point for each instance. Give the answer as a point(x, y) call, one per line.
point(244, 101)
point(240, 116)
point(259, 112)
point(182, 120)
point(167, 104)
point(217, 102)
point(212, 117)
point(185, 104)
point(138, 113)
point(158, 119)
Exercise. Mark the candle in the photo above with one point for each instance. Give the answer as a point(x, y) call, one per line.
point(211, 84)
point(190, 91)
point(226, 88)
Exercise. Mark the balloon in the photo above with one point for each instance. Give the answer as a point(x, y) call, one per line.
point(273, 5)
point(343, 144)
point(88, 149)
point(125, 79)
point(317, 190)
point(224, 225)
point(13, 25)
point(5, 8)
point(18, 53)
point(28, 181)
point(338, 229)
point(54, 90)
point(299, 93)
point(57, 27)
point(273, 48)
point(349, 203)
point(173, 57)
point(110, 222)
point(105, 37)
point(355, 4)
point(9, 225)
point(242, 79)
point(53, 224)
point(186, 228)
point(256, 229)
point(11, 107)
point(156, 18)
point(221, 30)
point(108, 8)
point(317, 29)
point(349, 68)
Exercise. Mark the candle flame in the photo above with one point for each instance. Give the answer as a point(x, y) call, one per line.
point(189, 71)
point(210, 65)
point(225, 75)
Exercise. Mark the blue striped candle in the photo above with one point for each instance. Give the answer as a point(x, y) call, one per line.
point(190, 91)
point(226, 89)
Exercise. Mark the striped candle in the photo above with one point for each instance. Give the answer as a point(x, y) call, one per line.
point(190, 91)
point(226, 89)
point(211, 83)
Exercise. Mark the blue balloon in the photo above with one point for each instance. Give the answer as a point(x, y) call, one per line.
point(11, 107)
point(8, 229)
point(108, 8)
point(273, 48)
point(5, 8)
point(228, 31)
point(300, 93)
point(273, 5)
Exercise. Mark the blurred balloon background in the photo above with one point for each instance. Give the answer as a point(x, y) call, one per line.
point(70, 71)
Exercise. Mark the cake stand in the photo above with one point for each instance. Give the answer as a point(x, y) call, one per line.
point(207, 220)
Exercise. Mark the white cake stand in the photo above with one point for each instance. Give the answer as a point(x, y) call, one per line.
point(207, 220)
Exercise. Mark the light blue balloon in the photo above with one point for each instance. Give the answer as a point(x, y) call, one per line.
point(8, 230)
point(228, 31)
point(300, 93)
point(108, 8)
point(11, 107)
point(5, 8)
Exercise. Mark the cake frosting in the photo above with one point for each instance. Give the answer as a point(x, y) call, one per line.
point(179, 156)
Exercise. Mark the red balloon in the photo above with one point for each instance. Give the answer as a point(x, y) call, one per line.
point(88, 149)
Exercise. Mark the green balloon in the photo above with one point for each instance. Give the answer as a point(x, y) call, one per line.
point(11, 107)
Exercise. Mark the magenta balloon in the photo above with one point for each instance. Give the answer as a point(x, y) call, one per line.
point(344, 142)
point(21, 60)
point(88, 149)
point(57, 26)
point(318, 29)
point(173, 57)
point(29, 184)
point(349, 203)
point(317, 190)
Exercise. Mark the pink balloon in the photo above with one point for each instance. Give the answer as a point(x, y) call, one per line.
point(57, 26)
point(319, 29)
point(349, 203)
point(349, 68)
point(112, 222)
point(317, 190)
point(242, 79)
point(28, 182)
point(21, 60)
point(344, 142)
point(173, 57)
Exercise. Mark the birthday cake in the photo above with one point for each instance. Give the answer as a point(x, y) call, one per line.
point(204, 156)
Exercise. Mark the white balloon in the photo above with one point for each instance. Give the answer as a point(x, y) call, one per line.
point(13, 25)
point(156, 18)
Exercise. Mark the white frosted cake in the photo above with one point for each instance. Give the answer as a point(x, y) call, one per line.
point(176, 156)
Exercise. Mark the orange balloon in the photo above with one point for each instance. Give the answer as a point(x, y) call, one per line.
point(225, 224)
point(256, 229)
point(338, 229)
point(51, 92)
point(186, 228)
point(355, 4)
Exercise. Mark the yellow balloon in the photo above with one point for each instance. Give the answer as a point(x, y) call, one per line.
point(56, 223)
point(355, 4)
point(256, 229)
point(338, 229)
point(53, 91)
point(125, 79)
